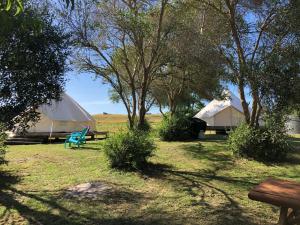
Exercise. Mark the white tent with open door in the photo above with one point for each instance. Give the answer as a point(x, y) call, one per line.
point(223, 113)
point(65, 115)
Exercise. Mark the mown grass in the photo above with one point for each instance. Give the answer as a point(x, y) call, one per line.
point(187, 183)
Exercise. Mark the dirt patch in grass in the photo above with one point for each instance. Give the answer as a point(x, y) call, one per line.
point(90, 190)
point(102, 192)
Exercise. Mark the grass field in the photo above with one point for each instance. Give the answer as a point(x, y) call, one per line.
point(115, 122)
point(188, 183)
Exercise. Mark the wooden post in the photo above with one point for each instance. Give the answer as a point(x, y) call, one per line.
point(283, 216)
point(294, 217)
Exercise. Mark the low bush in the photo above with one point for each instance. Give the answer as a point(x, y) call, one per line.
point(269, 143)
point(129, 149)
point(145, 127)
point(178, 127)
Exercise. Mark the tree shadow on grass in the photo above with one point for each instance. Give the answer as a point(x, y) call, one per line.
point(8, 179)
point(90, 145)
point(155, 170)
point(294, 156)
point(220, 207)
point(85, 148)
point(216, 154)
point(292, 159)
point(213, 154)
point(214, 138)
point(106, 193)
point(52, 208)
point(208, 189)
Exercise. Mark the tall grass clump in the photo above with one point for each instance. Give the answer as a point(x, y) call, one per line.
point(129, 149)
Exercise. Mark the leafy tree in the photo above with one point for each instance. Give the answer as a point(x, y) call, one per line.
point(121, 42)
point(192, 68)
point(18, 5)
point(281, 85)
point(33, 56)
point(263, 37)
point(12, 5)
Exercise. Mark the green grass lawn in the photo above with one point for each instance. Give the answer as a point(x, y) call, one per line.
point(188, 183)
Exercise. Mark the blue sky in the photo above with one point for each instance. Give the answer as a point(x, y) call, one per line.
point(92, 94)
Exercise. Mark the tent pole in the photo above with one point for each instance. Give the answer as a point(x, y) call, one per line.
point(51, 130)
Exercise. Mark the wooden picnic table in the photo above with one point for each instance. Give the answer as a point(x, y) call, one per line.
point(282, 193)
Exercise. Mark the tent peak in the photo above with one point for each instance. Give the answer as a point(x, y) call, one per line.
point(215, 106)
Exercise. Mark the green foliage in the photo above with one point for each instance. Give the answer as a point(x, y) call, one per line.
point(187, 76)
point(33, 55)
point(146, 127)
point(281, 71)
point(269, 143)
point(241, 140)
point(129, 149)
point(178, 127)
point(12, 5)
point(131, 21)
point(18, 5)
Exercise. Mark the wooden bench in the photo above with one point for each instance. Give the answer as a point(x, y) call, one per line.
point(282, 193)
point(105, 133)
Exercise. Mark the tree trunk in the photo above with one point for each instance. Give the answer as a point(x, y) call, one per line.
point(130, 122)
point(172, 106)
point(160, 108)
point(131, 116)
point(142, 106)
point(254, 107)
point(142, 114)
point(134, 106)
point(243, 101)
point(241, 57)
point(258, 115)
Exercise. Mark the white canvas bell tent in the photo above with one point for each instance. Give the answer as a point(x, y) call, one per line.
point(65, 115)
point(223, 113)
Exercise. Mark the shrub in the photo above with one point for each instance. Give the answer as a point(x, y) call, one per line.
point(178, 127)
point(145, 127)
point(129, 149)
point(269, 143)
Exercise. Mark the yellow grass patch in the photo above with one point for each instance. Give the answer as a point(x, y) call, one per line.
point(115, 122)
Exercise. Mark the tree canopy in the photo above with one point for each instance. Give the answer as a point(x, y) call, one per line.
point(33, 56)
point(193, 69)
point(133, 46)
point(121, 42)
point(262, 45)
point(170, 53)
point(17, 6)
